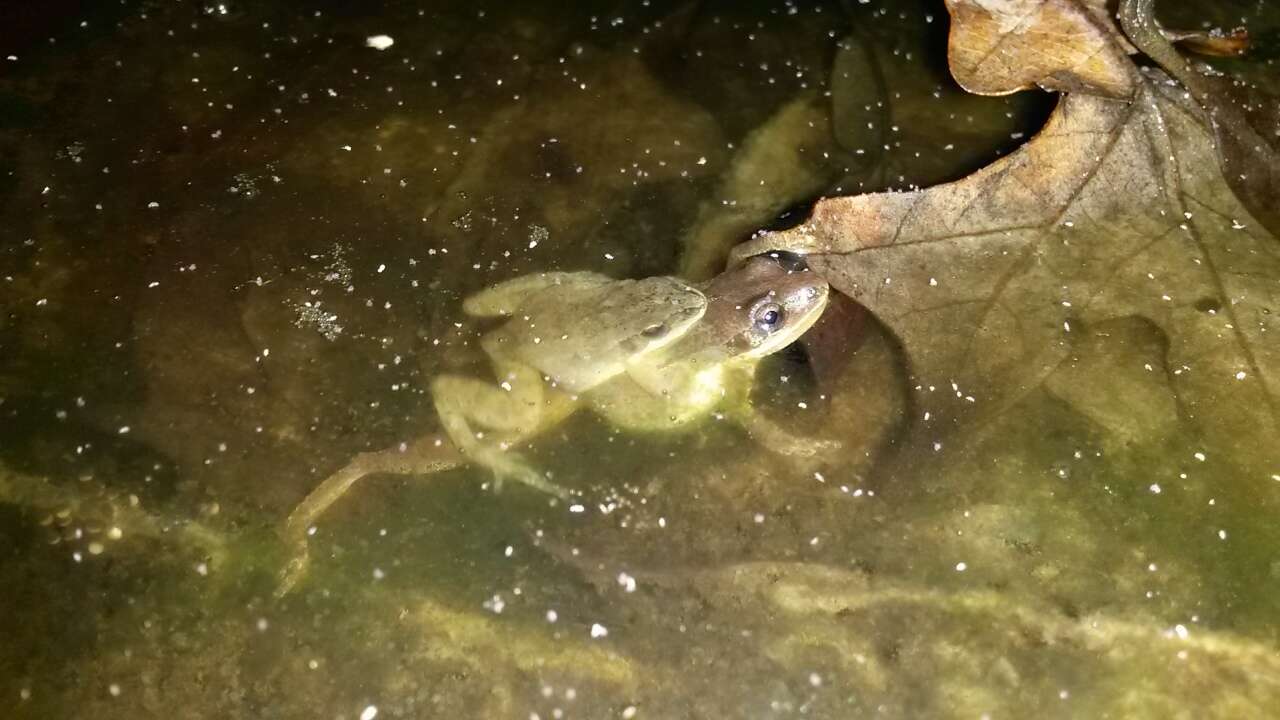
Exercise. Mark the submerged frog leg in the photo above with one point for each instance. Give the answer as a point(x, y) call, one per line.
point(460, 401)
point(517, 407)
point(431, 454)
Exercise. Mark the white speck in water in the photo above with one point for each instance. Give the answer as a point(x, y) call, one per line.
point(379, 574)
point(961, 567)
point(1181, 631)
point(114, 689)
point(1222, 534)
point(95, 548)
point(598, 630)
point(1241, 375)
point(758, 518)
point(815, 679)
point(263, 624)
point(629, 712)
point(552, 616)
point(379, 42)
point(627, 582)
point(124, 430)
point(369, 713)
point(1154, 488)
point(1199, 456)
point(202, 569)
point(576, 508)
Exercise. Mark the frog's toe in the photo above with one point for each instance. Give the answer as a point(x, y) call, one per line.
point(535, 480)
point(516, 470)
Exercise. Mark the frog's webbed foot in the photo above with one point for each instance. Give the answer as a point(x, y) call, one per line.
point(294, 570)
point(512, 466)
point(513, 411)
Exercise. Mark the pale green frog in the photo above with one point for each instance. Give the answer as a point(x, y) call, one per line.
point(646, 354)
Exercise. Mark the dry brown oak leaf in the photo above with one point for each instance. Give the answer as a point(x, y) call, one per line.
point(1114, 210)
point(997, 47)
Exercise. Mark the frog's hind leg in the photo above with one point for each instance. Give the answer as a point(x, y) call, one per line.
point(516, 410)
point(428, 455)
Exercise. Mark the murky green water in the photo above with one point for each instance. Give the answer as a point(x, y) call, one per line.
point(234, 240)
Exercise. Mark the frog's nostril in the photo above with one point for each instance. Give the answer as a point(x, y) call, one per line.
point(654, 331)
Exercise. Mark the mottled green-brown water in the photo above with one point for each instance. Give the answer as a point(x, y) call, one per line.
point(234, 241)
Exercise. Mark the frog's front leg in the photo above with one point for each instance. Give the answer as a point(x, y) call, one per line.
point(516, 410)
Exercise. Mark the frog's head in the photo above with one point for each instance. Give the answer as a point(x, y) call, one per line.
point(764, 304)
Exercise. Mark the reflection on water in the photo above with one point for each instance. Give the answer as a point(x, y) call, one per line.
point(234, 245)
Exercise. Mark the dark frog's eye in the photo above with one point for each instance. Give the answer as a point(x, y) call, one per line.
point(767, 316)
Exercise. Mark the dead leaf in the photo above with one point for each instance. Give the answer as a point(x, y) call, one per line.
point(1001, 46)
point(1114, 210)
point(901, 119)
point(1245, 120)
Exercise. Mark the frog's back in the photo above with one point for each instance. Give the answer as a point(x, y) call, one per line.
point(506, 297)
point(581, 332)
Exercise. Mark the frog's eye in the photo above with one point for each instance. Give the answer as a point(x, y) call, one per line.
point(767, 316)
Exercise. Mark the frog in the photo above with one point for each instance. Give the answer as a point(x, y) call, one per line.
point(645, 355)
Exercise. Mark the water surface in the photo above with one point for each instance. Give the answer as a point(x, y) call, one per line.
point(234, 244)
